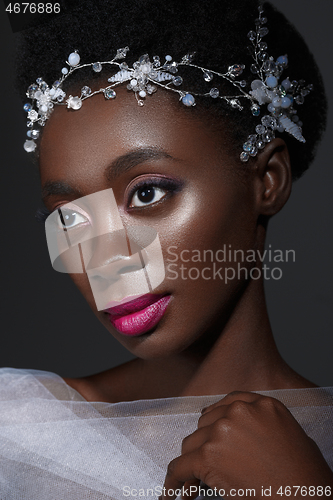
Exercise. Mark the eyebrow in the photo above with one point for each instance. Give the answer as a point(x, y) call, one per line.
point(115, 169)
point(52, 188)
point(133, 158)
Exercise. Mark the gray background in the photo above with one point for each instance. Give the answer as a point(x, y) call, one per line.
point(46, 324)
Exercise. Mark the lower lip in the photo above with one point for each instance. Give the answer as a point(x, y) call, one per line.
point(141, 321)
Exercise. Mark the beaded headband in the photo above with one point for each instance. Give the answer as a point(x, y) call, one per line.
point(145, 77)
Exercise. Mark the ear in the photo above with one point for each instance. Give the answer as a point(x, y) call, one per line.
point(273, 179)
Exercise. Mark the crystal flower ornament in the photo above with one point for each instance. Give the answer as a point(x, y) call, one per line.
point(272, 101)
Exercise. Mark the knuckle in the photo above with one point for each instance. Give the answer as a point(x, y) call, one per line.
point(172, 466)
point(220, 427)
point(206, 451)
point(238, 407)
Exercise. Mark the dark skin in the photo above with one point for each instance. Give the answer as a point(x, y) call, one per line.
point(214, 338)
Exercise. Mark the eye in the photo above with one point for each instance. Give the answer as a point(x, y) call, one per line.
point(70, 218)
point(147, 195)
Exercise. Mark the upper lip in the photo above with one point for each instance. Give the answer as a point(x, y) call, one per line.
point(134, 305)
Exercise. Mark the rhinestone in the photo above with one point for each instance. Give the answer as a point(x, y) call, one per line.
point(74, 102)
point(244, 156)
point(144, 59)
point(140, 102)
point(310, 87)
point(85, 91)
point(260, 144)
point(263, 20)
point(60, 98)
point(27, 107)
point(262, 46)
point(269, 136)
point(136, 65)
point(214, 92)
point(43, 86)
point(97, 67)
point(251, 35)
point(34, 134)
point(260, 9)
point(254, 69)
point(242, 83)
point(236, 104)
point(299, 99)
point(157, 61)
point(173, 67)
point(30, 124)
point(305, 92)
point(29, 146)
point(188, 58)
point(236, 69)
point(269, 66)
point(50, 105)
point(31, 90)
point(252, 139)
point(263, 56)
point(109, 94)
point(121, 53)
point(247, 146)
point(257, 22)
point(188, 100)
point(263, 31)
point(255, 110)
point(33, 115)
point(177, 80)
point(208, 76)
point(260, 129)
point(39, 80)
point(151, 88)
point(73, 59)
point(253, 151)
point(123, 66)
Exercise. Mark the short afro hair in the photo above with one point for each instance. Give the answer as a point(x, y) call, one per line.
point(215, 30)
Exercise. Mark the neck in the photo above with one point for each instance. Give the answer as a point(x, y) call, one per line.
point(242, 356)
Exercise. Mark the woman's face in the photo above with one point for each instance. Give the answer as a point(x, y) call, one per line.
point(196, 201)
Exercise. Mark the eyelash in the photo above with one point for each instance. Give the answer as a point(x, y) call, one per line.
point(169, 185)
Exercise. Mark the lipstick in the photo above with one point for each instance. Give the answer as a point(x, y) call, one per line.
point(140, 315)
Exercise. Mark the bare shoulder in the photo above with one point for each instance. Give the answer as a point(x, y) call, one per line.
point(110, 386)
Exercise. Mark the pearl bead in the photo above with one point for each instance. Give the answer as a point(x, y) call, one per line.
point(168, 58)
point(142, 93)
point(271, 81)
point(188, 100)
point(286, 84)
point(64, 71)
point(43, 108)
point(73, 59)
point(277, 101)
point(282, 60)
point(285, 102)
point(271, 107)
point(29, 146)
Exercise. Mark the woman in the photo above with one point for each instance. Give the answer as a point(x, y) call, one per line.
point(159, 165)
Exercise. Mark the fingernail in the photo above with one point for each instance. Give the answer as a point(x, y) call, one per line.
point(203, 410)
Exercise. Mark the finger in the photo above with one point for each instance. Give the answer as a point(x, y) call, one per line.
point(248, 397)
point(190, 490)
point(181, 469)
point(193, 441)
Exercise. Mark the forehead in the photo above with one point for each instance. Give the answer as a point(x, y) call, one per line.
point(79, 142)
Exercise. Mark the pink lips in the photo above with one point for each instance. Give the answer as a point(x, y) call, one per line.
point(140, 315)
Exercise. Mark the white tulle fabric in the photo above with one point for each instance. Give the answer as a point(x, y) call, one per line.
point(55, 445)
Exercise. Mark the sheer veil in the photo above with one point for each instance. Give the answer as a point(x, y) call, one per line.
point(56, 445)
